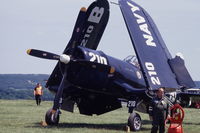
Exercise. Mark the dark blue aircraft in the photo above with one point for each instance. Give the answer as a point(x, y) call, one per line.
point(96, 82)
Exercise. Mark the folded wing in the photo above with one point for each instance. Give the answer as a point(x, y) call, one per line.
point(87, 32)
point(149, 46)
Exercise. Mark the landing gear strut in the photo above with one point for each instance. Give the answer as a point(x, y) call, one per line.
point(52, 115)
point(134, 121)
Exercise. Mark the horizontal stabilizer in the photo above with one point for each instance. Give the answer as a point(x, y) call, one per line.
point(182, 75)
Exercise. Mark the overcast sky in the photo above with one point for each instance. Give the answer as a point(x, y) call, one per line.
point(48, 24)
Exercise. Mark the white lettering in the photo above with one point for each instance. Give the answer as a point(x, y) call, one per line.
point(149, 40)
point(97, 58)
point(149, 66)
point(84, 42)
point(155, 80)
point(152, 73)
point(96, 15)
point(144, 28)
point(93, 56)
point(133, 8)
point(90, 29)
point(131, 104)
point(87, 35)
point(143, 25)
point(140, 18)
point(103, 60)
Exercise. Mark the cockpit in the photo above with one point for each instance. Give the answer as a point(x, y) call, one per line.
point(132, 60)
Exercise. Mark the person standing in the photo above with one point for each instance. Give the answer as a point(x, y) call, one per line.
point(159, 110)
point(38, 92)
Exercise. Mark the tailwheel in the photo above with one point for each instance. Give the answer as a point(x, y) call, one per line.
point(134, 122)
point(52, 117)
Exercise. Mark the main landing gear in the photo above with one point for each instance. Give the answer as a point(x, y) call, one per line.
point(52, 117)
point(134, 122)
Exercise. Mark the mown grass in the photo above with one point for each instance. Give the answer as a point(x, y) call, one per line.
point(23, 116)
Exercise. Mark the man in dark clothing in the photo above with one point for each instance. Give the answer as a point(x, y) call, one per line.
point(159, 110)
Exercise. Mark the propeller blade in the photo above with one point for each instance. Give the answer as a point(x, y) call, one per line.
point(43, 54)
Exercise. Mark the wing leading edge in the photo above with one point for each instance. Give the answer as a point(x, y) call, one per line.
point(149, 46)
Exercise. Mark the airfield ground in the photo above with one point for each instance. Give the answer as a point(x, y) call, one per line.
point(23, 116)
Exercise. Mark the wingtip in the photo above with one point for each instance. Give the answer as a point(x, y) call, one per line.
point(28, 51)
point(83, 9)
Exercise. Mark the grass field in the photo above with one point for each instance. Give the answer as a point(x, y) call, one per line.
point(23, 116)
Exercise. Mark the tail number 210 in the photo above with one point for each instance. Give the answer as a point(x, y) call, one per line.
point(152, 73)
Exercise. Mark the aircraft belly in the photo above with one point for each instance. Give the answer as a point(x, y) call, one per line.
point(98, 104)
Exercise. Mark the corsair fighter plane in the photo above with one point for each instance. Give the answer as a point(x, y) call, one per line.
point(97, 82)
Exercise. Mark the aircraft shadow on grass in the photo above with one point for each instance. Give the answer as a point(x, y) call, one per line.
point(110, 126)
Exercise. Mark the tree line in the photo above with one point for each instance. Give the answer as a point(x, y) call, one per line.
point(20, 86)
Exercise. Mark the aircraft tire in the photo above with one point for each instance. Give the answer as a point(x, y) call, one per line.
point(51, 119)
point(134, 122)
